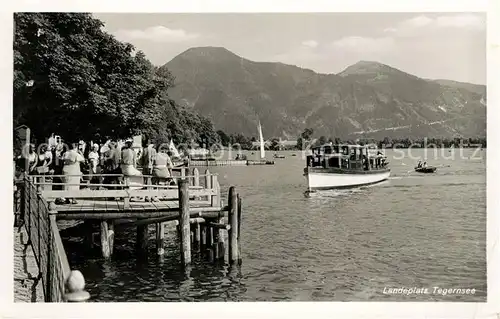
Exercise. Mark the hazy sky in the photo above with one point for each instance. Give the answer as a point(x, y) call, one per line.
point(436, 46)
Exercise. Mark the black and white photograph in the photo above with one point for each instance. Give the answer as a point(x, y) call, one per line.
point(250, 157)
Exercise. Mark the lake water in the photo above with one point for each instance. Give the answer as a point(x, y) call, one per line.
point(413, 230)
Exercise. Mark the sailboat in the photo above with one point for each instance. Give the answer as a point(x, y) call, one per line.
point(173, 149)
point(262, 160)
point(261, 139)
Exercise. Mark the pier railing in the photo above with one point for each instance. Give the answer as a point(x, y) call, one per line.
point(59, 282)
point(201, 186)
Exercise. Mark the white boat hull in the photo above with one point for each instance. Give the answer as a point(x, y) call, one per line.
point(329, 180)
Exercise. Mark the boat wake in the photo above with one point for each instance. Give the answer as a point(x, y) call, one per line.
point(332, 193)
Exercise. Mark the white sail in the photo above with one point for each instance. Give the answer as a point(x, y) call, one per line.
point(173, 149)
point(261, 140)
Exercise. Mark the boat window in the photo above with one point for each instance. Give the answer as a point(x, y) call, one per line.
point(345, 150)
point(328, 150)
point(336, 149)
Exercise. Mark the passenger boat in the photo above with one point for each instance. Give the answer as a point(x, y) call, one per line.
point(425, 170)
point(279, 156)
point(344, 166)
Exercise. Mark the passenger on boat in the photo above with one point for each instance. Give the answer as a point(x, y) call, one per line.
point(419, 164)
point(425, 164)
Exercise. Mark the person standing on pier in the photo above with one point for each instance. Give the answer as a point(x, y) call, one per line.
point(31, 157)
point(44, 160)
point(161, 166)
point(129, 161)
point(128, 165)
point(71, 169)
point(112, 163)
point(147, 159)
point(93, 158)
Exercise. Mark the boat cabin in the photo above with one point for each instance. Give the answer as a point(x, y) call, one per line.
point(343, 156)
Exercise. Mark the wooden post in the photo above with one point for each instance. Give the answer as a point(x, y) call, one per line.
point(196, 176)
point(126, 200)
point(203, 235)
point(43, 180)
point(183, 173)
point(196, 180)
point(111, 236)
point(208, 182)
point(209, 241)
point(106, 235)
point(197, 236)
point(222, 245)
point(184, 224)
point(141, 244)
point(239, 229)
point(26, 155)
point(160, 236)
point(89, 235)
point(233, 221)
point(215, 198)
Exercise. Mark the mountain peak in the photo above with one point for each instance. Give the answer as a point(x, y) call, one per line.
point(368, 67)
point(208, 51)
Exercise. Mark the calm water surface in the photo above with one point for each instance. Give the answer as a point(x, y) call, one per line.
point(412, 231)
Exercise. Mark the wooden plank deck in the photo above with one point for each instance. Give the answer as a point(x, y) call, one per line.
point(90, 205)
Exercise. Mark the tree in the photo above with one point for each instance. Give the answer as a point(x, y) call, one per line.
point(307, 133)
point(322, 140)
point(299, 143)
point(224, 138)
point(73, 79)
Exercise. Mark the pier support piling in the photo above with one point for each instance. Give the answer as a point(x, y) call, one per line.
point(88, 240)
point(184, 224)
point(197, 232)
point(220, 250)
point(239, 229)
point(160, 236)
point(233, 222)
point(142, 239)
point(107, 239)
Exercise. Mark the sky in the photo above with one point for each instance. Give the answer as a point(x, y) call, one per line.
point(429, 45)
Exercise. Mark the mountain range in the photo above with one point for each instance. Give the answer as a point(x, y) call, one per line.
point(367, 99)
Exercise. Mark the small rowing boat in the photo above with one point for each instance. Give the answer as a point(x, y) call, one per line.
point(425, 170)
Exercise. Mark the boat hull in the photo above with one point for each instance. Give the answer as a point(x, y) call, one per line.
point(425, 170)
point(324, 179)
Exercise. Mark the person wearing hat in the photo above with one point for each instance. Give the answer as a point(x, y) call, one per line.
point(71, 169)
point(93, 158)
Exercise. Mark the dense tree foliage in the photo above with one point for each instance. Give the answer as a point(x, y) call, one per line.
point(73, 79)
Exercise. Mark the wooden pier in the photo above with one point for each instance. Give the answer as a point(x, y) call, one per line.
point(202, 163)
point(194, 204)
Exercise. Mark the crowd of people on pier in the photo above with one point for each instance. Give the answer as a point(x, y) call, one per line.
point(70, 164)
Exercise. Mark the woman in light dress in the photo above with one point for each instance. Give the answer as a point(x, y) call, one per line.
point(71, 169)
point(162, 164)
point(128, 163)
point(44, 160)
